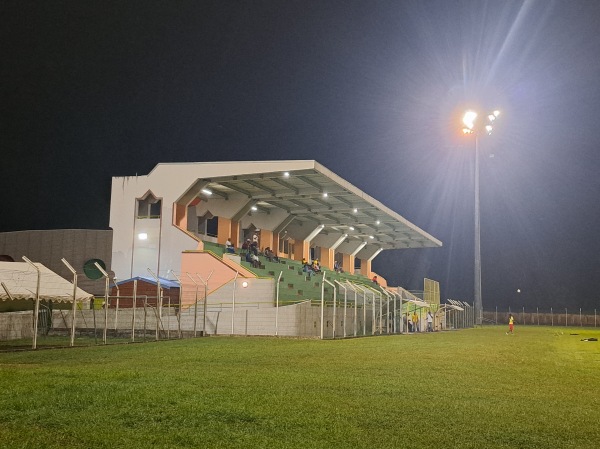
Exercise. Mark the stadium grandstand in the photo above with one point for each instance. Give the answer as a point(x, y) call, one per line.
point(175, 223)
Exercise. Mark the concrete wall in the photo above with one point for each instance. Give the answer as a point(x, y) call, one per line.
point(16, 325)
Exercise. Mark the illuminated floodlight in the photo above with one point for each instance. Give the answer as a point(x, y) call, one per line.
point(245, 284)
point(142, 236)
point(496, 113)
point(469, 119)
point(355, 210)
point(371, 237)
point(488, 129)
point(491, 117)
point(325, 195)
point(254, 208)
point(467, 131)
point(206, 192)
point(351, 228)
point(286, 174)
point(377, 222)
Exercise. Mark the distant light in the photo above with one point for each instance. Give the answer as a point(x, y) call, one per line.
point(325, 195)
point(245, 284)
point(142, 236)
point(377, 222)
point(351, 228)
point(286, 174)
point(488, 129)
point(469, 119)
point(355, 210)
point(467, 131)
point(371, 237)
point(206, 192)
point(491, 117)
point(496, 113)
point(518, 290)
point(254, 208)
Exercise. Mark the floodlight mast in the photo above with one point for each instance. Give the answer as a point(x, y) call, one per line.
point(473, 127)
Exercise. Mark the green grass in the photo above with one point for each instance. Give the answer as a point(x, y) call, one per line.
point(475, 388)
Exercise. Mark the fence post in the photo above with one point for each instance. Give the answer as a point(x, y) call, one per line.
point(233, 306)
point(580, 320)
point(195, 304)
point(276, 303)
point(552, 316)
point(133, 310)
point(37, 302)
point(106, 286)
point(566, 317)
point(537, 314)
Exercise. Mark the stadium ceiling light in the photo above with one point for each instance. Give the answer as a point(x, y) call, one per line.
point(355, 210)
point(325, 195)
point(371, 237)
point(469, 121)
point(351, 228)
point(142, 236)
point(377, 222)
point(286, 174)
point(206, 192)
point(254, 208)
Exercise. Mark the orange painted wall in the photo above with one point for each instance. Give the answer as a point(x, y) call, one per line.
point(266, 239)
point(327, 259)
point(224, 230)
point(301, 250)
point(348, 263)
point(202, 263)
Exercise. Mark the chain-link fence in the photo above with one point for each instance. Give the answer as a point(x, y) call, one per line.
point(575, 317)
point(348, 310)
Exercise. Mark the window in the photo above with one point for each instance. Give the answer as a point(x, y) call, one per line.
point(208, 224)
point(149, 207)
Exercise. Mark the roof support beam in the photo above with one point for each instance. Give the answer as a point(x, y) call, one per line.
point(244, 210)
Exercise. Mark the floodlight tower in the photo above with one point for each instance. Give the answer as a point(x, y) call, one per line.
point(472, 126)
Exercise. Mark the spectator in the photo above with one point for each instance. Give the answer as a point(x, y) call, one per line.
point(337, 267)
point(229, 246)
point(254, 248)
point(415, 321)
point(307, 268)
point(246, 245)
point(255, 260)
point(316, 268)
point(375, 280)
point(255, 239)
point(429, 321)
point(270, 255)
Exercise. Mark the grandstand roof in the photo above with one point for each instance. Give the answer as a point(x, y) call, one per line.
point(311, 194)
point(164, 282)
point(19, 281)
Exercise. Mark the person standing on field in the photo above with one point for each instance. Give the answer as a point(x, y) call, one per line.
point(429, 321)
point(511, 324)
point(415, 321)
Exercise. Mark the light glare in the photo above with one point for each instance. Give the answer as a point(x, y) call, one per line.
point(469, 119)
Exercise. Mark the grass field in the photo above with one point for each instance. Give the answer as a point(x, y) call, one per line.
point(477, 388)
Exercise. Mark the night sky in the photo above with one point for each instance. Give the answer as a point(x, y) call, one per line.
point(374, 90)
